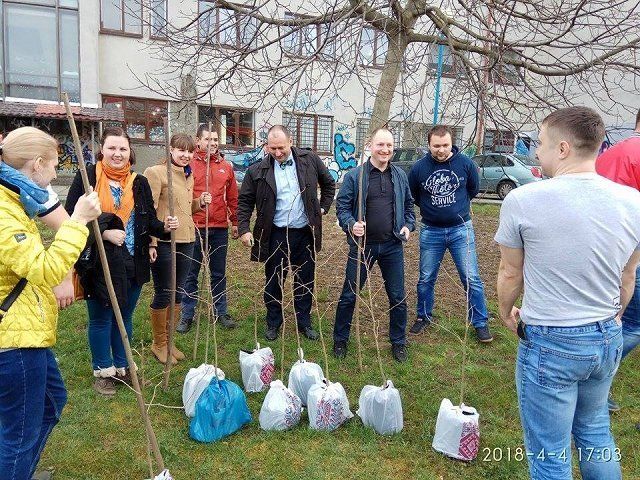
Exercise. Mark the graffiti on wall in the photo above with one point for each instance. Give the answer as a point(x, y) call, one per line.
point(67, 161)
point(343, 156)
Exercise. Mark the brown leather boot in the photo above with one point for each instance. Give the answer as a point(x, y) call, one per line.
point(159, 328)
point(177, 354)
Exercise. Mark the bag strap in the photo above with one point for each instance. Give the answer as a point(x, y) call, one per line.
point(13, 295)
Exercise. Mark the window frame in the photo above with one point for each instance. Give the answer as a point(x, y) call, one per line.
point(165, 19)
point(218, 124)
point(147, 101)
point(499, 74)
point(320, 33)
point(215, 42)
point(122, 32)
point(376, 38)
point(456, 70)
point(295, 134)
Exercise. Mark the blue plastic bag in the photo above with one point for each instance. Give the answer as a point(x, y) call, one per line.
point(220, 411)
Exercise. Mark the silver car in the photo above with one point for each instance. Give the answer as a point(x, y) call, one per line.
point(502, 172)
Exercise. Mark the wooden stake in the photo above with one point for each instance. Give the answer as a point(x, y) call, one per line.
point(173, 286)
point(153, 442)
point(358, 265)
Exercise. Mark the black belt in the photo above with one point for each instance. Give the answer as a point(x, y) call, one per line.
point(13, 295)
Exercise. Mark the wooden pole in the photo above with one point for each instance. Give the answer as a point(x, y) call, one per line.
point(360, 241)
point(173, 286)
point(112, 294)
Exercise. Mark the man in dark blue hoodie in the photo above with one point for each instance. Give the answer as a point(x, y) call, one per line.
point(443, 184)
point(387, 220)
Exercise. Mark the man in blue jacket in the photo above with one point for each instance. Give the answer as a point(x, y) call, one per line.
point(387, 220)
point(443, 184)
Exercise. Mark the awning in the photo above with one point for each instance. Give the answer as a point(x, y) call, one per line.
point(48, 110)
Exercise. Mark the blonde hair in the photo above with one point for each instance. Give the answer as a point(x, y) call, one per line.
point(27, 143)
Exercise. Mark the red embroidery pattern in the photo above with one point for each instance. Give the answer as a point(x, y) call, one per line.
point(469, 441)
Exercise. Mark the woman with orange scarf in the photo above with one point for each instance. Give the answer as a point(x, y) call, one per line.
point(127, 221)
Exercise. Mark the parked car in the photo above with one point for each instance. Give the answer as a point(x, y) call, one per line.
point(406, 157)
point(502, 172)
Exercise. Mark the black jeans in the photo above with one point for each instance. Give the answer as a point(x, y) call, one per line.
point(161, 271)
point(301, 255)
point(390, 258)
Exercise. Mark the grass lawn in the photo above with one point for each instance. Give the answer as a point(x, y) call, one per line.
point(102, 438)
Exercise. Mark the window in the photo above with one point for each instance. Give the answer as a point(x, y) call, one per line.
point(310, 131)
point(159, 19)
point(234, 125)
point(373, 47)
point(41, 50)
point(504, 73)
point(225, 27)
point(122, 17)
point(499, 141)
point(451, 65)
point(362, 127)
point(143, 119)
point(306, 41)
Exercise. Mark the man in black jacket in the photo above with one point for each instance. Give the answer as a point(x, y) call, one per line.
point(283, 189)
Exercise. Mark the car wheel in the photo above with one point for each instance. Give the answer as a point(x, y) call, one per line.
point(504, 188)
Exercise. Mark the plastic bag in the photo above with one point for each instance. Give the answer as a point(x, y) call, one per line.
point(220, 411)
point(381, 408)
point(196, 381)
point(257, 369)
point(302, 376)
point(164, 475)
point(457, 431)
point(328, 406)
point(281, 409)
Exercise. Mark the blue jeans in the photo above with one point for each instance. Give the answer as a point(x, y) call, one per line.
point(563, 376)
point(32, 396)
point(390, 258)
point(104, 336)
point(218, 243)
point(631, 321)
point(461, 242)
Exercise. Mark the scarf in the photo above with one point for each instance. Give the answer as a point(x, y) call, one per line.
point(32, 196)
point(124, 176)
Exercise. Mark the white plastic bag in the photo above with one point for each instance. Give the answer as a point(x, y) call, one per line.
point(257, 369)
point(281, 409)
point(381, 408)
point(302, 376)
point(195, 382)
point(457, 431)
point(328, 406)
point(164, 475)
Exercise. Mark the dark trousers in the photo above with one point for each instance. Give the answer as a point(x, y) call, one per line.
point(218, 243)
point(32, 396)
point(390, 258)
point(161, 271)
point(300, 252)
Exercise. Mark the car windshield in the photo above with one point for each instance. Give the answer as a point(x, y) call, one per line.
point(527, 160)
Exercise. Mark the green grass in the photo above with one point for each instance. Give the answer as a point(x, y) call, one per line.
point(102, 438)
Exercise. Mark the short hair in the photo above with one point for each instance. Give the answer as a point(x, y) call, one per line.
point(279, 128)
point(380, 129)
point(182, 141)
point(204, 127)
point(637, 119)
point(583, 125)
point(27, 143)
point(117, 132)
point(439, 131)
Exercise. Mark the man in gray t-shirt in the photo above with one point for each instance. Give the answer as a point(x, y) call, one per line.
point(572, 243)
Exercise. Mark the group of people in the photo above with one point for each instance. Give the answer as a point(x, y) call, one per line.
point(571, 244)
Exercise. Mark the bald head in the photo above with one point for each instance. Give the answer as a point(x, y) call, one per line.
point(279, 142)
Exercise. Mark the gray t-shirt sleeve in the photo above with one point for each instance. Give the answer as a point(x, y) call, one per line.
point(508, 233)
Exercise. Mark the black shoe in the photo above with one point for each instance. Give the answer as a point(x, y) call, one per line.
point(227, 321)
point(271, 334)
point(184, 325)
point(340, 349)
point(484, 335)
point(310, 333)
point(399, 352)
point(419, 326)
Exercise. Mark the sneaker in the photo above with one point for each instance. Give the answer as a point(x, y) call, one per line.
point(271, 334)
point(227, 321)
point(612, 404)
point(310, 333)
point(184, 325)
point(484, 335)
point(104, 386)
point(340, 349)
point(399, 352)
point(419, 326)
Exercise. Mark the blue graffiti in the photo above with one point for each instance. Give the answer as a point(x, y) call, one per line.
point(343, 156)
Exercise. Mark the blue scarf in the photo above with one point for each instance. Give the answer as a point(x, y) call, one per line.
point(32, 196)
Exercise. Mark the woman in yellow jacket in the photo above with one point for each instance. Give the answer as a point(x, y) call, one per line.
point(32, 393)
point(181, 150)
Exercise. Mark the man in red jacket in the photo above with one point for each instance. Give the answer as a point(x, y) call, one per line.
point(621, 163)
point(222, 210)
